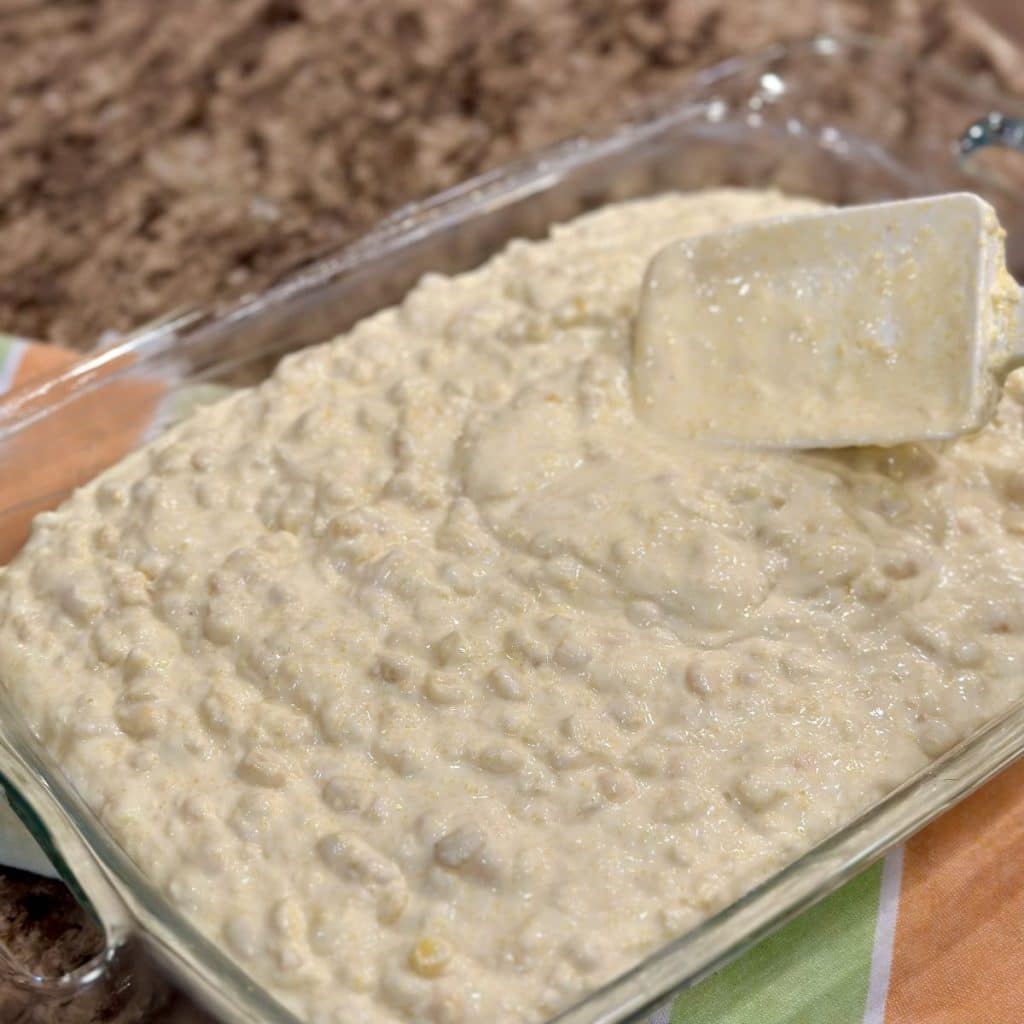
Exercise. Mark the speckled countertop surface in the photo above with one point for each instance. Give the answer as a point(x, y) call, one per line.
point(152, 155)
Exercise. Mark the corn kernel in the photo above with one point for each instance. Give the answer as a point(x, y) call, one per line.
point(429, 957)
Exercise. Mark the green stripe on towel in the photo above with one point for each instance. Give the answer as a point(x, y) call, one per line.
point(815, 970)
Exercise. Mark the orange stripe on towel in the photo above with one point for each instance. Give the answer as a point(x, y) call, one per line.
point(959, 951)
point(47, 460)
point(37, 360)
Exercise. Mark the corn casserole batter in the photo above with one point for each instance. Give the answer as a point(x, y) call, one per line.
point(436, 688)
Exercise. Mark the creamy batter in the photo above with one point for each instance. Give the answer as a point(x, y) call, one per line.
point(438, 688)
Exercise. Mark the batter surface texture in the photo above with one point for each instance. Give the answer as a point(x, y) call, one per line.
point(438, 688)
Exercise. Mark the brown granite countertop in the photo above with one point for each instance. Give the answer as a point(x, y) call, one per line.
point(159, 154)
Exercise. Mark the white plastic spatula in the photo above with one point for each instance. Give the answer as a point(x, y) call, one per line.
point(869, 325)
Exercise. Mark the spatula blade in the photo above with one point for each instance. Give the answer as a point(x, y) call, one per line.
point(870, 325)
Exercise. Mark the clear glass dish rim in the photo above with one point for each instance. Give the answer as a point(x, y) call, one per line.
point(129, 906)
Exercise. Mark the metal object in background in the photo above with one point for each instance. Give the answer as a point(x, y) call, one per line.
point(994, 129)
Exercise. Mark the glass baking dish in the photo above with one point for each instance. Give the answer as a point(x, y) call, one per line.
point(842, 118)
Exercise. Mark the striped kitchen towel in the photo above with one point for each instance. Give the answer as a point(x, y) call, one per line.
point(932, 935)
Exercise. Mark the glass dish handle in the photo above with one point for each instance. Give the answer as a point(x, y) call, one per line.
point(118, 982)
point(991, 151)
